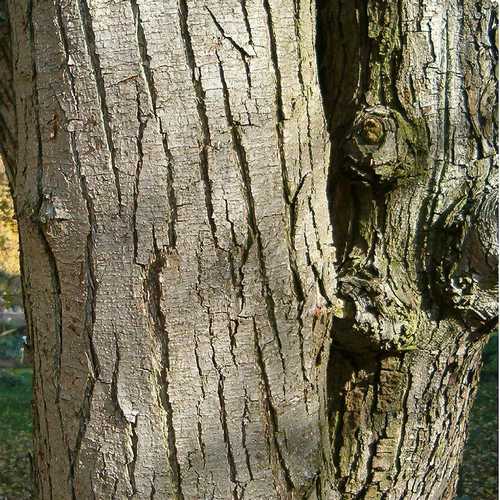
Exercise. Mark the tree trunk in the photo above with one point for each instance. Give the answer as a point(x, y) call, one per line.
point(236, 285)
point(8, 129)
point(410, 93)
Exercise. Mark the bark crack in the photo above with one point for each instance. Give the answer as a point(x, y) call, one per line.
point(172, 200)
point(154, 292)
point(90, 42)
point(243, 53)
point(142, 45)
point(252, 218)
point(239, 48)
point(131, 466)
point(225, 430)
point(90, 305)
point(281, 476)
point(246, 19)
point(245, 418)
point(205, 143)
point(139, 164)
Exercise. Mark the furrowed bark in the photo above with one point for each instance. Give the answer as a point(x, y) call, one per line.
point(240, 286)
point(7, 107)
point(177, 246)
point(410, 94)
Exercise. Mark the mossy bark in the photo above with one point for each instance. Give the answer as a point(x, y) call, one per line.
point(245, 279)
point(414, 170)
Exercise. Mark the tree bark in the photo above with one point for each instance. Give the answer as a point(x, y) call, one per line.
point(240, 283)
point(176, 242)
point(410, 92)
point(8, 129)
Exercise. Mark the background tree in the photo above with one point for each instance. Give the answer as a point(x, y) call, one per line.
point(239, 286)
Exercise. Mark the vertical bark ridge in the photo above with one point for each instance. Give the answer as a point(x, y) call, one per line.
point(90, 310)
point(243, 164)
point(155, 293)
point(290, 198)
point(283, 482)
point(202, 115)
point(51, 261)
point(86, 17)
point(269, 301)
point(223, 421)
point(90, 278)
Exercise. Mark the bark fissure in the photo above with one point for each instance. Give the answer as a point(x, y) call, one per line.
point(172, 201)
point(239, 149)
point(244, 420)
point(246, 20)
point(142, 45)
point(199, 96)
point(67, 53)
point(138, 169)
point(86, 19)
point(154, 292)
point(90, 307)
point(243, 53)
point(227, 440)
point(281, 476)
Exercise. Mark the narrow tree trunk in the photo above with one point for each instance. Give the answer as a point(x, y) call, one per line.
point(222, 306)
point(8, 129)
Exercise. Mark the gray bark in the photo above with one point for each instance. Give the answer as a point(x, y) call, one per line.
point(240, 283)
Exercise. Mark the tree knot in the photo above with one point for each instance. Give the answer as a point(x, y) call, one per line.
point(383, 146)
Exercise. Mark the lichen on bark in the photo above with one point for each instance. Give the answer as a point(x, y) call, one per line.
point(235, 277)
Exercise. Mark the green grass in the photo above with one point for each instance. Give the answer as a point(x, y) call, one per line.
point(15, 433)
point(479, 474)
point(15, 402)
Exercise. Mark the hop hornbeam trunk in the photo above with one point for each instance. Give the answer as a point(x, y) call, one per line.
point(246, 277)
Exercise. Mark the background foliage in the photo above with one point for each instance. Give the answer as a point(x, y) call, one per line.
point(9, 247)
point(10, 285)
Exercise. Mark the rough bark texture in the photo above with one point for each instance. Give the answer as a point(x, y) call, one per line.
point(8, 129)
point(220, 304)
point(410, 93)
point(176, 246)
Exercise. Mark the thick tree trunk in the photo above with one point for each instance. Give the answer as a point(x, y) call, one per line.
point(176, 242)
point(410, 93)
point(220, 304)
